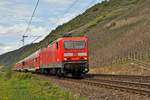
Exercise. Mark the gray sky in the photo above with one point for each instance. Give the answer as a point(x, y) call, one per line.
point(15, 14)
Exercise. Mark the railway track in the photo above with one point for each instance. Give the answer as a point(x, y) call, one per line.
point(133, 78)
point(97, 89)
point(137, 88)
point(124, 84)
point(128, 83)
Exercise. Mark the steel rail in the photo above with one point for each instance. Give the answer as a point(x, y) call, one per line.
point(127, 83)
point(122, 76)
point(116, 87)
point(138, 78)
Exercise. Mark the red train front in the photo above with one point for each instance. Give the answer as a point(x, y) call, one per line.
point(67, 55)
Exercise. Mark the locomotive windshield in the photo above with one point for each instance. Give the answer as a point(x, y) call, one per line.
point(74, 44)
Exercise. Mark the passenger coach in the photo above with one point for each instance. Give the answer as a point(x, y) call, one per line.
point(67, 55)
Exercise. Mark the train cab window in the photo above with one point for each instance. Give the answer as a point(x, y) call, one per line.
point(74, 44)
point(57, 45)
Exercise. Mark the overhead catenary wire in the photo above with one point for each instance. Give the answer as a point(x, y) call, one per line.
point(68, 10)
point(37, 37)
point(74, 3)
point(88, 6)
point(70, 7)
point(28, 27)
point(64, 13)
point(30, 21)
point(92, 2)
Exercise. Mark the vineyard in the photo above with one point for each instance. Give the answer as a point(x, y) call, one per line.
point(122, 39)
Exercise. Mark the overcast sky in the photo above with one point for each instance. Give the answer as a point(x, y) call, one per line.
point(15, 14)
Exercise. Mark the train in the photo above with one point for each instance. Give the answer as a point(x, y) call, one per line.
point(64, 56)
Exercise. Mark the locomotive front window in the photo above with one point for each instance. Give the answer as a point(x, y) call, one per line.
point(70, 44)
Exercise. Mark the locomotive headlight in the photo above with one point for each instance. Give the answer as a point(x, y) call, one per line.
point(68, 54)
point(85, 58)
point(86, 69)
point(57, 59)
point(82, 54)
point(65, 58)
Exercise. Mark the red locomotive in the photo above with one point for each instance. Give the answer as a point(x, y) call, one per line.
point(67, 55)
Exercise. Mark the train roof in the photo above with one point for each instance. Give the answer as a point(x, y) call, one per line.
point(30, 57)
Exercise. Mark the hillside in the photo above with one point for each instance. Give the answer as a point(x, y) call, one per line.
point(1, 67)
point(118, 32)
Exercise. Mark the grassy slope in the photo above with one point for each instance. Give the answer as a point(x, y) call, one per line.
point(1, 66)
point(113, 28)
point(20, 86)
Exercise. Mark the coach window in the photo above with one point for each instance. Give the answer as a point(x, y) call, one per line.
point(23, 63)
point(36, 59)
point(57, 45)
